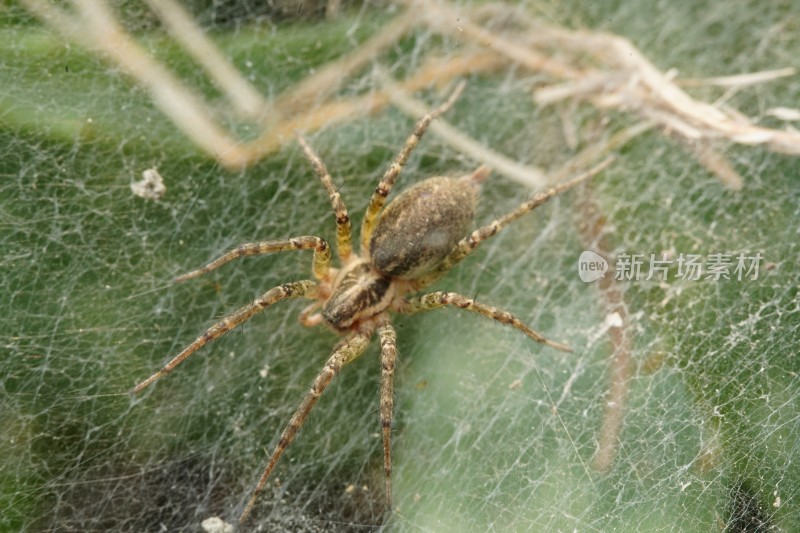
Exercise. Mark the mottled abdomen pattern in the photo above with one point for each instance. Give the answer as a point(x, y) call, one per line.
point(418, 230)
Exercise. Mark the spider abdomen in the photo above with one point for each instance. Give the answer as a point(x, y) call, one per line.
point(419, 228)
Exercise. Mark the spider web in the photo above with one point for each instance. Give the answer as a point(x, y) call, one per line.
point(492, 432)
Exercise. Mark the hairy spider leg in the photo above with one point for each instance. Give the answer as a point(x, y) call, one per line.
point(320, 267)
point(298, 289)
point(435, 300)
point(343, 235)
point(346, 351)
point(469, 243)
point(309, 317)
point(372, 216)
point(388, 338)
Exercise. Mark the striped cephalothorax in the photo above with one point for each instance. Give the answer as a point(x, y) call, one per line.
point(404, 248)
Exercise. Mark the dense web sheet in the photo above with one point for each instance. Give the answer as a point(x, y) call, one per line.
point(492, 431)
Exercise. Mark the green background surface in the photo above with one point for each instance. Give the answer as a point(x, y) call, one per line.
point(710, 438)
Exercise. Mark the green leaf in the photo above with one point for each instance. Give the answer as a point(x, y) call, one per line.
point(492, 431)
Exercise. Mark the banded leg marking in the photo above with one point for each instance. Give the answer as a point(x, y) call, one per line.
point(322, 254)
point(438, 299)
point(306, 288)
point(343, 231)
point(345, 352)
point(384, 187)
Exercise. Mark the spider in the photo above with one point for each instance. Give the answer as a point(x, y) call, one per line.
point(405, 247)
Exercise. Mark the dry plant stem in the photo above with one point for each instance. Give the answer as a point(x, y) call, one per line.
point(332, 9)
point(316, 87)
point(595, 151)
point(652, 94)
point(739, 80)
point(526, 175)
point(620, 374)
point(96, 28)
point(656, 96)
point(591, 86)
point(594, 234)
point(784, 113)
point(646, 90)
point(443, 17)
point(244, 98)
point(716, 163)
point(436, 72)
point(433, 73)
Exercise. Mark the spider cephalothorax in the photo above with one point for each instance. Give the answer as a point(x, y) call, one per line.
point(359, 292)
point(404, 248)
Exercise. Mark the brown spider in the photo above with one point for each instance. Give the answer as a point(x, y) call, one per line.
point(405, 247)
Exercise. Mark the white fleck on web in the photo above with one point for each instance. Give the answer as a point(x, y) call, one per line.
point(151, 186)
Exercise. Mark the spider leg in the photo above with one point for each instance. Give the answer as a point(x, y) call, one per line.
point(384, 187)
point(343, 237)
point(309, 316)
point(468, 244)
point(388, 337)
point(320, 268)
point(438, 299)
point(306, 288)
point(346, 351)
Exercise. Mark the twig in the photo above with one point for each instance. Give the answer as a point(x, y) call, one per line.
point(594, 235)
point(739, 80)
point(442, 17)
point(621, 78)
point(244, 98)
point(526, 175)
point(96, 28)
point(717, 164)
point(595, 151)
point(316, 87)
point(646, 90)
point(435, 72)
